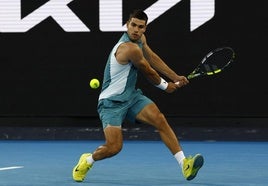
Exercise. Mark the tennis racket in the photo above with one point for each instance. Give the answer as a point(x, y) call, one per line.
point(214, 62)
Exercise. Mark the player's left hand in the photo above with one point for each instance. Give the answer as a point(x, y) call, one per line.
point(172, 87)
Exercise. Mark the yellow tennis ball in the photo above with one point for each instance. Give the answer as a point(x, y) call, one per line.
point(94, 83)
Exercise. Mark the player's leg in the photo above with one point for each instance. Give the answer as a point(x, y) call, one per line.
point(112, 114)
point(150, 114)
point(113, 145)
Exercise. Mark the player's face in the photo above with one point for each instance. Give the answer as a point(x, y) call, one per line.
point(135, 28)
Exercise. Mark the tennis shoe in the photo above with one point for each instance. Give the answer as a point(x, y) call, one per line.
point(191, 166)
point(82, 167)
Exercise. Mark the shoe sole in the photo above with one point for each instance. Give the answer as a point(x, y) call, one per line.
point(198, 163)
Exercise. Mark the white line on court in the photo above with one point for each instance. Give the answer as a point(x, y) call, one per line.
point(9, 168)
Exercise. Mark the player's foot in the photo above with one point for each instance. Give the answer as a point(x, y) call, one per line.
point(191, 165)
point(82, 167)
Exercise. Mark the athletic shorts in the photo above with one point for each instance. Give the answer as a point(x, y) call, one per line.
point(115, 112)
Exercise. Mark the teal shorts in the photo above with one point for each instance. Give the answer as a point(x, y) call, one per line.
point(115, 112)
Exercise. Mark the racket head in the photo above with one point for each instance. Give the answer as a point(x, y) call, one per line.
point(214, 62)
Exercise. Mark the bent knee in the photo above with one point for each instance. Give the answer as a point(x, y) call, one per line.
point(160, 121)
point(114, 149)
point(160, 118)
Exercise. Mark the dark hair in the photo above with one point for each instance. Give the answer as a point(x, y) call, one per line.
point(139, 14)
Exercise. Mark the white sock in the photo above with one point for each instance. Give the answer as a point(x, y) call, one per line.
point(90, 160)
point(180, 157)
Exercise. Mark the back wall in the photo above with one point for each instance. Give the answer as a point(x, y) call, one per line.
point(47, 60)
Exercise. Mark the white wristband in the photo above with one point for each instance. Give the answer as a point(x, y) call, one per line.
point(163, 84)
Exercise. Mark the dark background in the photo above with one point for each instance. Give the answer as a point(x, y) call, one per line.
point(45, 72)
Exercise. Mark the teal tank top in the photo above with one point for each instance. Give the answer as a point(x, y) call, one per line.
point(119, 81)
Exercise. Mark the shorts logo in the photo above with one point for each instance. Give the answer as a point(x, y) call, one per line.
point(110, 17)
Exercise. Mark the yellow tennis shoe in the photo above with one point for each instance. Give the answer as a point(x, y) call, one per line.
point(191, 166)
point(82, 167)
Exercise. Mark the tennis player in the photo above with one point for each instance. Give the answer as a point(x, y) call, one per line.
point(119, 99)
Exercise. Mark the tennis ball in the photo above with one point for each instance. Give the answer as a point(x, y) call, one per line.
point(94, 83)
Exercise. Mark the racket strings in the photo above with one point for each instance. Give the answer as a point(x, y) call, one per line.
point(210, 67)
point(218, 60)
point(214, 62)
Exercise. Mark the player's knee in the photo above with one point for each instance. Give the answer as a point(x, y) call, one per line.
point(114, 149)
point(160, 118)
point(161, 122)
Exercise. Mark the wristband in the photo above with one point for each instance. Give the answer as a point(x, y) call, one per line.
point(163, 84)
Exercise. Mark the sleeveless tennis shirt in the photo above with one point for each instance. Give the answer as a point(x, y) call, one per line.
point(119, 81)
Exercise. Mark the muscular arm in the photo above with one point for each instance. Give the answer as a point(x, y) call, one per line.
point(159, 65)
point(131, 52)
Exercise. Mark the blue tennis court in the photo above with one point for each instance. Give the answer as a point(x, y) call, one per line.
point(140, 163)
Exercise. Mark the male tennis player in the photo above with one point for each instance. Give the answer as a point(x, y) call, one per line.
point(120, 100)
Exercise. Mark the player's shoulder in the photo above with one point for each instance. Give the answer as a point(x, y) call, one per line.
point(129, 47)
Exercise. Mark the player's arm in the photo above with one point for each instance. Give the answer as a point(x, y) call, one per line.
point(131, 52)
point(159, 65)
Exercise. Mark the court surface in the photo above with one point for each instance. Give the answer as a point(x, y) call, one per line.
point(140, 163)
